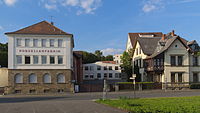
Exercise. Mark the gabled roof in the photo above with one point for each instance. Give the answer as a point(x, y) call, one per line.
point(41, 28)
point(135, 36)
point(148, 45)
point(169, 42)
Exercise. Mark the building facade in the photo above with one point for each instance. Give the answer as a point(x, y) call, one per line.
point(102, 70)
point(117, 58)
point(40, 59)
point(166, 59)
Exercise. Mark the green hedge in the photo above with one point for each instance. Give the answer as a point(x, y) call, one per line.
point(195, 86)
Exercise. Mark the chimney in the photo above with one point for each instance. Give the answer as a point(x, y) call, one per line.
point(172, 33)
point(52, 23)
point(163, 37)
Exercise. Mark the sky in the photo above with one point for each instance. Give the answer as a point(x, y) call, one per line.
point(104, 24)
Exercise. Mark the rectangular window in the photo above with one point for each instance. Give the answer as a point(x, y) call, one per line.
point(19, 42)
point(27, 60)
point(91, 76)
point(98, 67)
point(110, 67)
point(116, 75)
point(180, 60)
point(60, 59)
point(158, 62)
point(60, 42)
point(52, 59)
point(195, 60)
point(44, 41)
point(44, 59)
point(116, 68)
point(98, 75)
point(195, 77)
point(155, 62)
point(86, 67)
point(19, 59)
point(35, 59)
point(173, 77)
point(173, 60)
point(105, 68)
point(35, 42)
point(105, 75)
point(180, 77)
point(27, 42)
point(86, 76)
point(52, 42)
point(110, 75)
point(139, 50)
point(120, 75)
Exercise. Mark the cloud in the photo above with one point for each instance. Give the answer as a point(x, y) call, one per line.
point(50, 7)
point(152, 5)
point(111, 51)
point(82, 6)
point(10, 2)
point(1, 28)
point(155, 5)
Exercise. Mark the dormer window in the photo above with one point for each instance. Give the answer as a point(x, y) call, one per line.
point(146, 35)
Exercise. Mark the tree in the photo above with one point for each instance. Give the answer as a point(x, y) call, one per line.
point(126, 65)
point(89, 57)
point(98, 53)
point(4, 55)
point(109, 58)
point(97, 56)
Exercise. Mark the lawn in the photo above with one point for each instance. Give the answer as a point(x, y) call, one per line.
point(156, 105)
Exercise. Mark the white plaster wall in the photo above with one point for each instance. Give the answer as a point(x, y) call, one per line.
point(66, 51)
point(102, 71)
point(194, 69)
point(139, 56)
point(180, 50)
point(128, 44)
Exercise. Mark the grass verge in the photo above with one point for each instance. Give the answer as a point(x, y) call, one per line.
point(156, 105)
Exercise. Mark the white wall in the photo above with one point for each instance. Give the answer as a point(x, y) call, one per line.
point(180, 50)
point(102, 71)
point(65, 51)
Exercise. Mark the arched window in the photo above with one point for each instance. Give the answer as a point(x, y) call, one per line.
point(18, 78)
point(60, 78)
point(47, 78)
point(32, 78)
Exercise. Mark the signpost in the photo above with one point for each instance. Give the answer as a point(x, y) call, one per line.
point(104, 89)
point(133, 78)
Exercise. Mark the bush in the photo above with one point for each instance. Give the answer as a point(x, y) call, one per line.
point(195, 86)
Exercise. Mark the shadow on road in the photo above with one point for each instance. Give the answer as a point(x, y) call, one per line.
point(27, 99)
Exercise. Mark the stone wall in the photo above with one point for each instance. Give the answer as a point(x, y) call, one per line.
point(40, 86)
point(3, 77)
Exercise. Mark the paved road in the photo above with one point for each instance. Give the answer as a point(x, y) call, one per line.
point(75, 103)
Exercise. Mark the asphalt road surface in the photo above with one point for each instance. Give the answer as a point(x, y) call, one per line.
point(76, 103)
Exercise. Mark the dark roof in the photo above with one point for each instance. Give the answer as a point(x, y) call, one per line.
point(135, 36)
point(78, 54)
point(41, 28)
point(168, 43)
point(148, 45)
